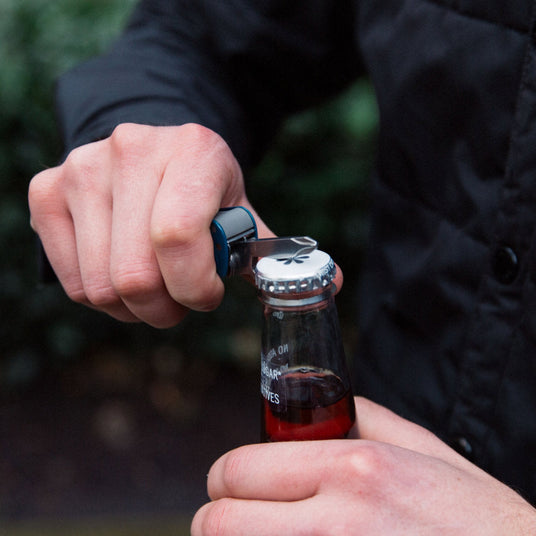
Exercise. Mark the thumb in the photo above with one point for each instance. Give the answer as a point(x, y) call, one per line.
point(339, 278)
point(377, 423)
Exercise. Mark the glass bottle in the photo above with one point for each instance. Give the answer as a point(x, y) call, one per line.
point(305, 383)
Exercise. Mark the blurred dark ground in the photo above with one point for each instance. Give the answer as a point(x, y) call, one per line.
point(111, 428)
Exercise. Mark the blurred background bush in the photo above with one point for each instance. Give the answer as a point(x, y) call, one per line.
point(72, 379)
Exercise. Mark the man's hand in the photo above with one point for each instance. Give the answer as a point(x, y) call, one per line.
point(398, 479)
point(125, 221)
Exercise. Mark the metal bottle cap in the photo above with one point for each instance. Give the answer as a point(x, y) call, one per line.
point(301, 273)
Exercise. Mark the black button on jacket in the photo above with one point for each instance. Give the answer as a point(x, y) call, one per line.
point(448, 302)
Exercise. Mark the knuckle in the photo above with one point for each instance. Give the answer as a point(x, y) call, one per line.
point(42, 192)
point(177, 234)
point(213, 518)
point(75, 292)
point(101, 295)
point(125, 132)
point(128, 139)
point(40, 185)
point(206, 144)
point(82, 172)
point(131, 281)
point(198, 134)
point(367, 462)
point(234, 469)
point(81, 162)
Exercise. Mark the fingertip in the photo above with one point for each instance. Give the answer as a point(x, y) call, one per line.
point(197, 527)
point(202, 291)
point(339, 278)
point(228, 473)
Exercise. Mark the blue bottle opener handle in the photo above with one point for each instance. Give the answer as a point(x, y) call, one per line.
point(230, 225)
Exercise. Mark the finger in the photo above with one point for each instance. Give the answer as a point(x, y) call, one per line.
point(234, 517)
point(184, 250)
point(286, 471)
point(377, 423)
point(193, 189)
point(52, 221)
point(134, 268)
point(87, 193)
point(339, 278)
point(92, 234)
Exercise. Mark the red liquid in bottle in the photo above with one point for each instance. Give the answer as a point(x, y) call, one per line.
point(312, 404)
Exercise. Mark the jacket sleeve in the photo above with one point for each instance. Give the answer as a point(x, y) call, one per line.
point(238, 67)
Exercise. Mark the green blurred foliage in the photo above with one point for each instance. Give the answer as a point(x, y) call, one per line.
point(313, 181)
point(40, 39)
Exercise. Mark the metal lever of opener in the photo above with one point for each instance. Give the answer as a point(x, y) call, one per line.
point(237, 247)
